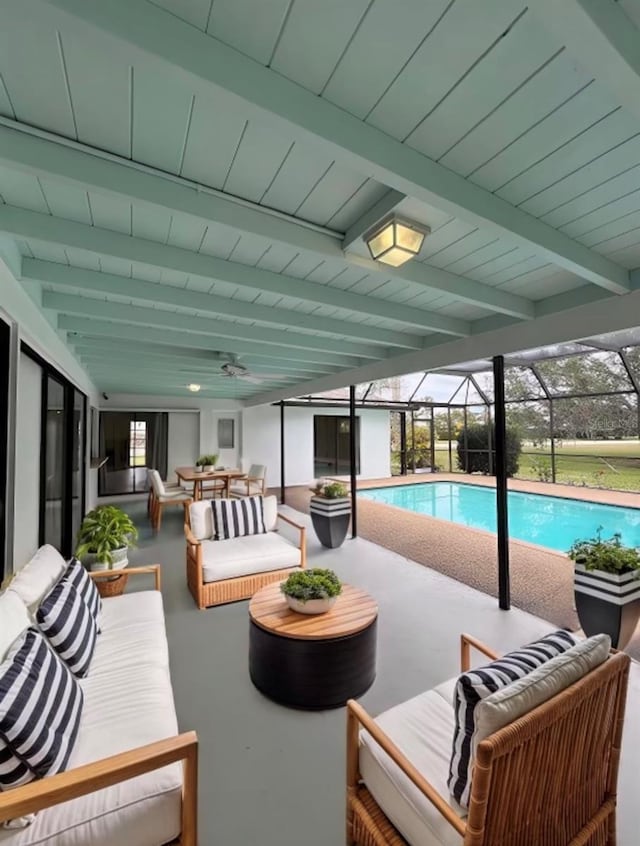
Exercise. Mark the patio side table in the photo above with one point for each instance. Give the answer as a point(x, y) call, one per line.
point(312, 662)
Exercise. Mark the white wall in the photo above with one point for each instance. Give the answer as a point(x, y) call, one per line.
point(27, 479)
point(261, 442)
point(19, 306)
point(183, 441)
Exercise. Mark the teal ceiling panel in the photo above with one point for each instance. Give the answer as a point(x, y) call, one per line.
point(389, 34)
point(613, 130)
point(100, 86)
point(541, 284)
point(303, 265)
point(464, 311)
point(253, 28)
point(575, 117)
point(218, 241)
point(277, 258)
point(595, 198)
point(120, 267)
point(464, 33)
point(174, 278)
point(360, 202)
point(313, 39)
point(555, 83)
point(66, 201)
point(627, 227)
point(257, 160)
point(83, 259)
point(144, 271)
point(217, 124)
point(485, 272)
point(451, 232)
point(6, 106)
point(187, 233)
point(600, 169)
point(194, 12)
point(468, 264)
point(328, 270)
point(301, 170)
point(335, 188)
point(48, 252)
point(22, 189)
point(110, 212)
point(628, 256)
point(462, 247)
point(601, 216)
point(151, 223)
point(515, 271)
point(622, 241)
point(162, 107)
point(523, 50)
point(250, 249)
point(32, 66)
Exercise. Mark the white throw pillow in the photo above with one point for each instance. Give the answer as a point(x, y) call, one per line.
point(14, 619)
point(518, 698)
point(270, 512)
point(34, 581)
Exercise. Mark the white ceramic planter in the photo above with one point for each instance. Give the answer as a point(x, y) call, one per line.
point(120, 560)
point(311, 606)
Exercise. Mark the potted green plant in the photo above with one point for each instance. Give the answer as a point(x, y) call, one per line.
point(312, 591)
point(330, 509)
point(607, 586)
point(104, 538)
point(206, 463)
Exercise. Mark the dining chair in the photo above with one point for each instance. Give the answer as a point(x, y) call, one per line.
point(162, 496)
point(251, 484)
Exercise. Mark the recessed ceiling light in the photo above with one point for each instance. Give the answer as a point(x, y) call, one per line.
point(193, 387)
point(394, 240)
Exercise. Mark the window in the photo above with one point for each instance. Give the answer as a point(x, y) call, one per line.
point(137, 443)
point(225, 434)
point(332, 446)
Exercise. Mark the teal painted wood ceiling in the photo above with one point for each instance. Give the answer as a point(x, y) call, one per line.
point(188, 181)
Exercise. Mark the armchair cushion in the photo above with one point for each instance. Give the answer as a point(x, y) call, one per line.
point(201, 517)
point(246, 555)
point(235, 518)
point(421, 728)
point(14, 618)
point(34, 581)
point(475, 685)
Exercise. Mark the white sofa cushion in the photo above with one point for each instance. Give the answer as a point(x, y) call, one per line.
point(511, 702)
point(422, 729)
point(242, 556)
point(33, 581)
point(14, 619)
point(125, 706)
point(201, 517)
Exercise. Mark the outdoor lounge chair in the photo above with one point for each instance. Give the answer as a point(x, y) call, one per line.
point(548, 778)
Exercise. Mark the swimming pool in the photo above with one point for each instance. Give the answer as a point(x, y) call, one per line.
point(545, 520)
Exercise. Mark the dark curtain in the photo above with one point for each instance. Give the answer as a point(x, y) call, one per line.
point(158, 439)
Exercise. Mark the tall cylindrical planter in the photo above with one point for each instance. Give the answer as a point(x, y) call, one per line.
point(330, 518)
point(607, 603)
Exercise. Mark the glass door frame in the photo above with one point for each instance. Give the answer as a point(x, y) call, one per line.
point(69, 391)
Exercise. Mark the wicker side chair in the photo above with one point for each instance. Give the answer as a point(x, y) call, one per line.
point(547, 779)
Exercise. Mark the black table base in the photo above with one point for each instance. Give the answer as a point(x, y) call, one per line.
point(312, 674)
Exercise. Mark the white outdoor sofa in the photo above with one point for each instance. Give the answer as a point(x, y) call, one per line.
point(131, 778)
point(220, 571)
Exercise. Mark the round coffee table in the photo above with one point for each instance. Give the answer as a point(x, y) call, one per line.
point(312, 661)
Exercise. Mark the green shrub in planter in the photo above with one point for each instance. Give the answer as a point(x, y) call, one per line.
point(315, 583)
point(103, 530)
point(473, 453)
point(207, 461)
point(330, 490)
point(610, 555)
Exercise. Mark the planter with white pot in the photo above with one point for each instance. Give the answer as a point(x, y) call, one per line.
point(312, 591)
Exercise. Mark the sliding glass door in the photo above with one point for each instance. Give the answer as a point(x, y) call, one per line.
point(131, 442)
point(62, 455)
point(332, 446)
point(5, 346)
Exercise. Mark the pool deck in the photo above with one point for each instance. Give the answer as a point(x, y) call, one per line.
point(541, 579)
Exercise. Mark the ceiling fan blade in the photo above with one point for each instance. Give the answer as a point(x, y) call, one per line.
point(248, 377)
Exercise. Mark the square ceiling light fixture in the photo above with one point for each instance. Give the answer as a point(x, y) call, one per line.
point(395, 240)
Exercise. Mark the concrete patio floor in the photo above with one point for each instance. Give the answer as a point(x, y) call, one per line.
point(541, 579)
point(274, 776)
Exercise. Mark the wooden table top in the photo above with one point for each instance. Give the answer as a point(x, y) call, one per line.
point(190, 474)
point(354, 611)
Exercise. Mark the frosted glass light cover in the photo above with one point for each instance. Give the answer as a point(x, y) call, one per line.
point(408, 238)
point(396, 241)
point(382, 241)
point(395, 256)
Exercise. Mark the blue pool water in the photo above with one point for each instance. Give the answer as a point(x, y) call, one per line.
point(545, 520)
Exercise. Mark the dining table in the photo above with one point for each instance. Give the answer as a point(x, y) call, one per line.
point(197, 477)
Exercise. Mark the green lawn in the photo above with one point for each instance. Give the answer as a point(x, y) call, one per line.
point(614, 465)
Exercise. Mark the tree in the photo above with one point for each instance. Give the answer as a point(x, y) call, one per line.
point(473, 450)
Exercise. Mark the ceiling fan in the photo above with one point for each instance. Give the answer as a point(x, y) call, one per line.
point(232, 369)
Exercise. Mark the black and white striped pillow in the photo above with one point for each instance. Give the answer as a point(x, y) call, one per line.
point(65, 619)
point(477, 684)
point(235, 518)
point(40, 708)
point(77, 575)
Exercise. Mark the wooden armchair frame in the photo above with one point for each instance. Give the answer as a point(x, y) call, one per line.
point(565, 799)
point(80, 781)
point(208, 594)
point(248, 480)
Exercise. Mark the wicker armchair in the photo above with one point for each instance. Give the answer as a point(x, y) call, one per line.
point(547, 779)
